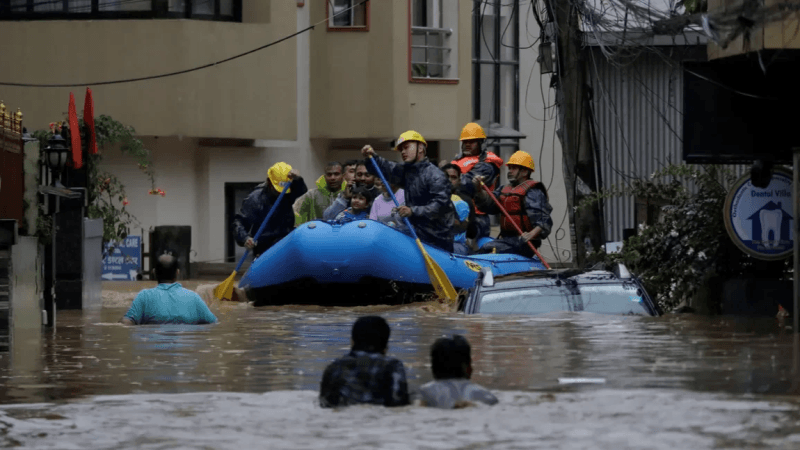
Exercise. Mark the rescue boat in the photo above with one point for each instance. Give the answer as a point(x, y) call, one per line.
point(360, 262)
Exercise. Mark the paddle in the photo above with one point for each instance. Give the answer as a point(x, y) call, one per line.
point(444, 288)
point(508, 216)
point(225, 290)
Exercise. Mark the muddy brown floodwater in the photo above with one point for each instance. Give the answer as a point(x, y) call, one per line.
point(565, 380)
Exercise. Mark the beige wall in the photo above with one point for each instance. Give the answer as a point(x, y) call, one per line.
point(194, 178)
point(360, 86)
point(775, 35)
point(540, 125)
point(251, 97)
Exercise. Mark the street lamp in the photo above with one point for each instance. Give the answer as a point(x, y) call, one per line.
point(56, 154)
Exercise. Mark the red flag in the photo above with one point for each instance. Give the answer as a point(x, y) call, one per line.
point(88, 118)
point(75, 134)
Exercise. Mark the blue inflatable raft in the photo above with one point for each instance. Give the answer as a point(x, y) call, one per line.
point(359, 262)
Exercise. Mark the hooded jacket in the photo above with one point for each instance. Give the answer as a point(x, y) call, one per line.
point(255, 209)
point(312, 204)
point(427, 193)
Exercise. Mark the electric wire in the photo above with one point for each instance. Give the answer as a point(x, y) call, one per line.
point(178, 72)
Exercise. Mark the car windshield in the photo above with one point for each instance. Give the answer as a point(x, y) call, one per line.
point(603, 299)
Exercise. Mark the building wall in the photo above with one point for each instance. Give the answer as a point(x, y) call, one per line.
point(537, 118)
point(251, 97)
point(781, 34)
point(360, 86)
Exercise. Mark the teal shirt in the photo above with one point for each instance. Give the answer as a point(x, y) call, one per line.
point(169, 303)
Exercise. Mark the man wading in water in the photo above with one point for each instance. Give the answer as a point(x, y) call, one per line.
point(169, 302)
point(366, 374)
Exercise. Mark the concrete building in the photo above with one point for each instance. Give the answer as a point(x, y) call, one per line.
point(362, 76)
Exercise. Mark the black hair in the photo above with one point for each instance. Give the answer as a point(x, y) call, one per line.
point(333, 164)
point(363, 190)
point(350, 162)
point(370, 334)
point(446, 167)
point(166, 268)
point(450, 358)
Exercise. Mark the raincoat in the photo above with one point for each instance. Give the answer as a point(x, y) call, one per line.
point(427, 192)
point(312, 204)
point(256, 207)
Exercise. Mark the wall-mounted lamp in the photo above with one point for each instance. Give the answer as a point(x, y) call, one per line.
point(56, 154)
point(545, 58)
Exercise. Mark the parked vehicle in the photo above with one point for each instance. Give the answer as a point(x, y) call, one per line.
point(542, 291)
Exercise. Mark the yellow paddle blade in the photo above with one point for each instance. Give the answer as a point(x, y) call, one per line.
point(444, 288)
point(225, 290)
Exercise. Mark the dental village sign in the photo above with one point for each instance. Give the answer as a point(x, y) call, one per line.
point(759, 220)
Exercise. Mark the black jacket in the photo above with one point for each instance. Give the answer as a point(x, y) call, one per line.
point(256, 207)
point(427, 192)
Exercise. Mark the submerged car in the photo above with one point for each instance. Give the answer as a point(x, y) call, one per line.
point(543, 291)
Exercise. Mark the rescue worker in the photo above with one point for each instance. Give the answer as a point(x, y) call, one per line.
point(258, 204)
point(427, 191)
point(474, 160)
point(526, 202)
point(312, 204)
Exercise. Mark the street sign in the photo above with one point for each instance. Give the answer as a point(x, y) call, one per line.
point(123, 262)
point(759, 221)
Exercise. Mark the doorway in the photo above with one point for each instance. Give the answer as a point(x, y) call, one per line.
point(235, 193)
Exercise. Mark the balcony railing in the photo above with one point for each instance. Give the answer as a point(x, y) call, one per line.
point(430, 52)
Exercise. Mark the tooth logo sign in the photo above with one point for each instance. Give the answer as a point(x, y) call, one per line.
point(760, 220)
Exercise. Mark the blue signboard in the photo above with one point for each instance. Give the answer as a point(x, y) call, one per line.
point(760, 220)
point(123, 262)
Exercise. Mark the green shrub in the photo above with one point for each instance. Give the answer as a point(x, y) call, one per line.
point(689, 246)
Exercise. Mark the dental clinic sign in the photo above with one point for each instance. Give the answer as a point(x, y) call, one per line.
point(759, 220)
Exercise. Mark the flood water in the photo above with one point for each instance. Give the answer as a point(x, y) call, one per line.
point(565, 380)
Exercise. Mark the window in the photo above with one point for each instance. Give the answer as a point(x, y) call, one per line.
point(220, 10)
point(348, 15)
point(495, 68)
point(434, 40)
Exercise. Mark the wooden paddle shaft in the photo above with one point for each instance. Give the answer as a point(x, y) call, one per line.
point(508, 216)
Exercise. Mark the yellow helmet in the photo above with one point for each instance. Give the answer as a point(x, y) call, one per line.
point(278, 175)
point(472, 131)
point(409, 135)
point(520, 158)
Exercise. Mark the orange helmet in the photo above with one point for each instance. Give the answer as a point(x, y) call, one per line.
point(472, 131)
point(520, 158)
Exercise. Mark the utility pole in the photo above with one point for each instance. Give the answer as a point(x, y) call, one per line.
point(577, 147)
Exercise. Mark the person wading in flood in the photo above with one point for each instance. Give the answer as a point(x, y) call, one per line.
point(257, 205)
point(366, 374)
point(427, 191)
point(526, 202)
point(451, 364)
point(169, 302)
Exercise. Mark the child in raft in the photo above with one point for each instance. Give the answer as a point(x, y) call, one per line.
point(359, 205)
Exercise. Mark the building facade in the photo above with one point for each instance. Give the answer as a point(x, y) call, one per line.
point(364, 73)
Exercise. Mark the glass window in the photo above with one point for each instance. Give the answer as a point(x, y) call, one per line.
point(495, 62)
point(433, 39)
point(600, 299)
point(347, 14)
point(125, 9)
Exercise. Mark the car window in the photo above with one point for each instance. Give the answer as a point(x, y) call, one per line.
point(603, 299)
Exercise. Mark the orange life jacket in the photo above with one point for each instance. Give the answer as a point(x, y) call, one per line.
point(513, 200)
point(466, 163)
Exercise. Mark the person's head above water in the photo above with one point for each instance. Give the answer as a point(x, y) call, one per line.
point(166, 268)
point(370, 334)
point(451, 358)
